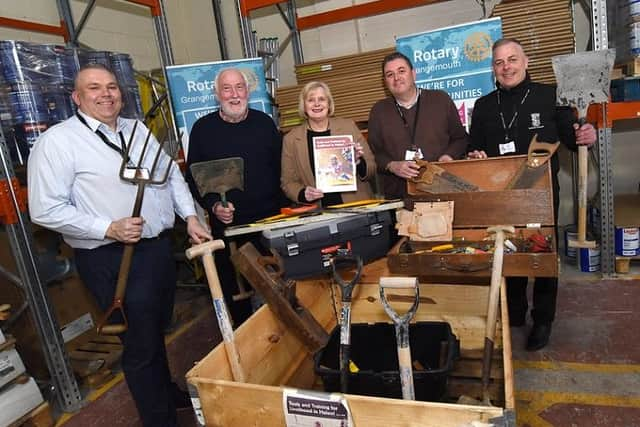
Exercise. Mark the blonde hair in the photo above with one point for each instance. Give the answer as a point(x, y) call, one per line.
point(308, 88)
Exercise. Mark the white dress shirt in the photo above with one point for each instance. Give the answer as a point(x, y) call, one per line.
point(75, 186)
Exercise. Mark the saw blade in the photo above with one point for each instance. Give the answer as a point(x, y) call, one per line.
point(435, 179)
point(535, 167)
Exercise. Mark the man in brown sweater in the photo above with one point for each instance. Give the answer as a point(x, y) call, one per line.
point(412, 123)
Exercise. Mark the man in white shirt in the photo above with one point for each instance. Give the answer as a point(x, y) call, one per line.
point(75, 189)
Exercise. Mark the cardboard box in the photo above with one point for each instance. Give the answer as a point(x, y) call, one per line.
point(11, 366)
point(17, 400)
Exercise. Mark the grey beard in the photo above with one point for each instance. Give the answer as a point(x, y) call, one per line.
point(231, 116)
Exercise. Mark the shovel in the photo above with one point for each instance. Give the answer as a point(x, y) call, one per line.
point(583, 78)
point(346, 288)
point(218, 177)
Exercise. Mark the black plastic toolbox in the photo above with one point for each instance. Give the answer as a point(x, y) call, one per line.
point(307, 249)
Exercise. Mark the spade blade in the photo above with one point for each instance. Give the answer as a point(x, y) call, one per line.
point(218, 176)
point(583, 78)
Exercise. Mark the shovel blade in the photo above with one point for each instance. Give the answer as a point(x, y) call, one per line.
point(218, 176)
point(583, 78)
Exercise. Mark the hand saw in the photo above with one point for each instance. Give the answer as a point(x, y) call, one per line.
point(434, 179)
point(531, 171)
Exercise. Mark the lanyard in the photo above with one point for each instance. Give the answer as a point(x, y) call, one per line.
point(513, 119)
point(412, 132)
point(104, 138)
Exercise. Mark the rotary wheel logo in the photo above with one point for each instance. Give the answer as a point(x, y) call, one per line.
point(477, 47)
point(252, 78)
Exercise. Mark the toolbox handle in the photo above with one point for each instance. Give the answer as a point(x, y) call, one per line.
point(463, 268)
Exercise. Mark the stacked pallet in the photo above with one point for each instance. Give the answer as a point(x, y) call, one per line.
point(355, 81)
point(545, 29)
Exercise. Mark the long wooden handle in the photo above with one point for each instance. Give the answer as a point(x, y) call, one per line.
point(494, 290)
point(222, 315)
point(492, 313)
point(583, 173)
point(406, 373)
point(123, 278)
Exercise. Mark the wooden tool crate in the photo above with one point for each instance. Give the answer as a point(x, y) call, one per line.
point(529, 210)
point(272, 359)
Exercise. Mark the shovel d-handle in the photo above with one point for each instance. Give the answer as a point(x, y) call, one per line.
point(205, 251)
point(402, 328)
point(118, 298)
point(492, 306)
point(346, 288)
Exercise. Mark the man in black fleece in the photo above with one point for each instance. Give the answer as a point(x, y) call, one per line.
point(503, 123)
point(237, 131)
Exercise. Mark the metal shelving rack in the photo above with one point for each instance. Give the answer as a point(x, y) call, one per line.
point(600, 40)
point(64, 385)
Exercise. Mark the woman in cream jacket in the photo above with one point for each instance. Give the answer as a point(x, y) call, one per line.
point(297, 177)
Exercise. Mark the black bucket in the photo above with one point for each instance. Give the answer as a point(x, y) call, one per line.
point(374, 351)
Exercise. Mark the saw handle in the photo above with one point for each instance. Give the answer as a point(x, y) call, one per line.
point(540, 152)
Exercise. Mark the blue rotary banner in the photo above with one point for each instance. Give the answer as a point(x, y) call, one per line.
point(192, 91)
point(455, 59)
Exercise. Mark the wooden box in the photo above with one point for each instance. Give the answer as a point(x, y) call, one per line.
point(529, 210)
point(272, 359)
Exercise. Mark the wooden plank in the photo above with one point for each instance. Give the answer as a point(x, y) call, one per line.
point(507, 357)
point(231, 404)
point(627, 210)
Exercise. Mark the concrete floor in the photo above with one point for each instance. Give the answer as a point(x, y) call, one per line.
point(588, 375)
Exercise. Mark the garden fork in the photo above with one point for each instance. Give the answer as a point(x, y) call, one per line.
point(138, 174)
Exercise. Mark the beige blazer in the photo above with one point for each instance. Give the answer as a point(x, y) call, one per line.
point(296, 172)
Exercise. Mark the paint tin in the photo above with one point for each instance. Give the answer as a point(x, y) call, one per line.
point(123, 69)
point(27, 103)
point(28, 133)
point(627, 241)
point(132, 105)
point(570, 253)
point(94, 57)
point(59, 103)
point(589, 259)
point(30, 62)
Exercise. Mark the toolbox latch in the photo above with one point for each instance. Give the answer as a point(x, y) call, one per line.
point(375, 229)
point(293, 249)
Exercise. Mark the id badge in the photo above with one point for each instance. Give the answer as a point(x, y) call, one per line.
point(507, 147)
point(413, 154)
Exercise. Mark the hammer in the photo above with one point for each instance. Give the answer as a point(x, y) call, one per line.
point(205, 250)
point(492, 308)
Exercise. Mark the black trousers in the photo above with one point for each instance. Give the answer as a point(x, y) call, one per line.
point(148, 306)
point(545, 291)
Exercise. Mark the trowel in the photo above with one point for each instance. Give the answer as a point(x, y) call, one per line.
point(583, 78)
